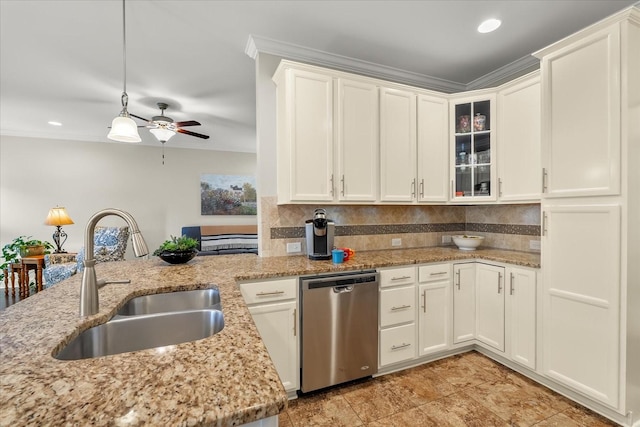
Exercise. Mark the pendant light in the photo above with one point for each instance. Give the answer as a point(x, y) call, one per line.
point(123, 128)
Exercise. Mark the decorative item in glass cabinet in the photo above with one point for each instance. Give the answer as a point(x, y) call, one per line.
point(464, 124)
point(479, 121)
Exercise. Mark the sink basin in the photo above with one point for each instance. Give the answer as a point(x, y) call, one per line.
point(172, 301)
point(125, 334)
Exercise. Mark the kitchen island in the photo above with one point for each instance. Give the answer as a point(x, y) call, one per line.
point(226, 379)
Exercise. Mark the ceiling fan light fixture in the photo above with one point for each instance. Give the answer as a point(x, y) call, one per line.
point(124, 129)
point(162, 134)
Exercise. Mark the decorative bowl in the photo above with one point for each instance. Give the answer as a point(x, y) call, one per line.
point(467, 242)
point(178, 257)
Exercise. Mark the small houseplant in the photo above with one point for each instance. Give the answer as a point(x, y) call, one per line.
point(22, 246)
point(177, 250)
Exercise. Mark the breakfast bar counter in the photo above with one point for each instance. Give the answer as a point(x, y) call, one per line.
point(226, 379)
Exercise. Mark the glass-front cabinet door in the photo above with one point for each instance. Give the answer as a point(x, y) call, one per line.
point(473, 171)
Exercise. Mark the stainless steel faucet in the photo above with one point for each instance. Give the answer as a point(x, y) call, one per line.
point(89, 290)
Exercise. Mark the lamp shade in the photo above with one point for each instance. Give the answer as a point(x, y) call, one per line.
point(124, 129)
point(58, 216)
point(162, 134)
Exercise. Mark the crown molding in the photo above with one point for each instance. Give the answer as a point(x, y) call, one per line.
point(517, 68)
point(257, 44)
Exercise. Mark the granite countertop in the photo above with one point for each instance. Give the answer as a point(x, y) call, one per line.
point(226, 379)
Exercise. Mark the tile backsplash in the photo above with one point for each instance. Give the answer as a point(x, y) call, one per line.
point(373, 227)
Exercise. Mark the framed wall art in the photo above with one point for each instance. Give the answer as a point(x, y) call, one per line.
point(228, 195)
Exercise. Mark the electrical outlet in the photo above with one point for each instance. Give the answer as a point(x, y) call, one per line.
point(294, 247)
point(534, 245)
point(396, 242)
point(446, 240)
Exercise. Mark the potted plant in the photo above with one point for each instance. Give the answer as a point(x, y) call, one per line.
point(178, 250)
point(21, 247)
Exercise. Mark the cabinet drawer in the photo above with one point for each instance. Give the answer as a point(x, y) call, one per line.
point(397, 276)
point(432, 273)
point(397, 305)
point(268, 291)
point(397, 344)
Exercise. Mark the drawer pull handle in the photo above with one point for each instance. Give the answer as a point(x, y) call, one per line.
point(266, 294)
point(439, 273)
point(402, 307)
point(398, 347)
point(401, 278)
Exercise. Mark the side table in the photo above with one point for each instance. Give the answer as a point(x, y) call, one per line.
point(14, 268)
point(35, 262)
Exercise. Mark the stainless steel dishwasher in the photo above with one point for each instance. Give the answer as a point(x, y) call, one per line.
point(339, 337)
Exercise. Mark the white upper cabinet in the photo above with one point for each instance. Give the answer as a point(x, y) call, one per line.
point(433, 152)
point(397, 145)
point(357, 141)
point(519, 127)
point(581, 121)
point(305, 135)
point(473, 172)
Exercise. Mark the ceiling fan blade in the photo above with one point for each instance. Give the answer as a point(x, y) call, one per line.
point(187, 123)
point(199, 135)
point(141, 118)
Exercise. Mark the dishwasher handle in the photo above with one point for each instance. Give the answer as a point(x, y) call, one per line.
point(342, 289)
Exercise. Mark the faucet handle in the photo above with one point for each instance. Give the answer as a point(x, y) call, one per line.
point(103, 282)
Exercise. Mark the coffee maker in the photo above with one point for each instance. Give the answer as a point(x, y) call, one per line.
point(319, 232)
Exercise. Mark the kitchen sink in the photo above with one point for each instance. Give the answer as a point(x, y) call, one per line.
point(172, 301)
point(125, 334)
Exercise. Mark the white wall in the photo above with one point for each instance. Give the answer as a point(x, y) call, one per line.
point(85, 177)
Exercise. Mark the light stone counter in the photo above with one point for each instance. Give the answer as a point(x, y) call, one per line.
point(226, 379)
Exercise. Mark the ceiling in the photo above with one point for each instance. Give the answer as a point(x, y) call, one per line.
point(62, 60)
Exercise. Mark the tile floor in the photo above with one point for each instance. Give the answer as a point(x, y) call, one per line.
point(464, 390)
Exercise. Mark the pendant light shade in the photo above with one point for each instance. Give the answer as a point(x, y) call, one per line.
point(123, 128)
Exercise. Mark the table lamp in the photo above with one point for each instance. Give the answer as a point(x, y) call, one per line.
point(58, 217)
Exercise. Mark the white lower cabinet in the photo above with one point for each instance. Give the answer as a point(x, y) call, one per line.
point(397, 315)
point(273, 306)
point(434, 308)
point(490, 305)
point(464, 302)
point(521, 315)
point(496, 306)
point(397, 344)
point(581, 298)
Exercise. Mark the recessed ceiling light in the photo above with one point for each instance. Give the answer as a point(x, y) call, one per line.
point(52, 123)
point(489, 25)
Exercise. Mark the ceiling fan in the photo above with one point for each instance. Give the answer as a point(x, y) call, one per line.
point(163, 127)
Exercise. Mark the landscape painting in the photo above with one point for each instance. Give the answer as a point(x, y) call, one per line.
point(228, 195)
